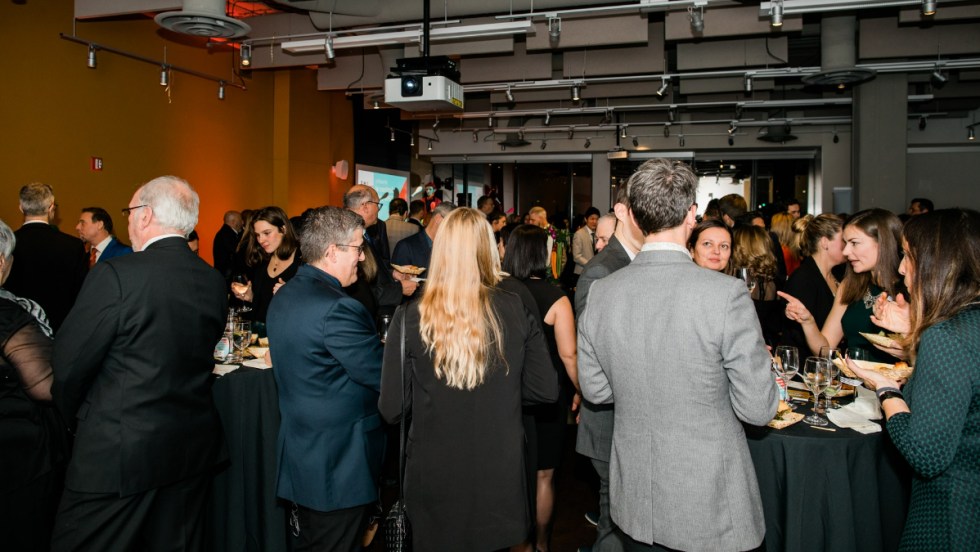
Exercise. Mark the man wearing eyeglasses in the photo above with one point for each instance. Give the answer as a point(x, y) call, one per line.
point(132, 369)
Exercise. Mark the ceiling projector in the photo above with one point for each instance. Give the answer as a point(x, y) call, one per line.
point(424, 84)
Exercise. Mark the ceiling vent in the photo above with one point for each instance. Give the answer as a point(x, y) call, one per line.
point(779, 134)
point(837, 54)
point(203, 18)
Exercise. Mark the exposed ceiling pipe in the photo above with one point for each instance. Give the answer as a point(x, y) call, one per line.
point(838, 54)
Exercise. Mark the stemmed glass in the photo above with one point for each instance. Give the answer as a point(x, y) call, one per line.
point(834, 385)
point(746, 276)
point(786, 363)
point(241, 336)
point(383, 327)
point(817, 375)
point(239, 285)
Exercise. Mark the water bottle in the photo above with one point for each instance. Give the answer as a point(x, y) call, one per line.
point(225, 346)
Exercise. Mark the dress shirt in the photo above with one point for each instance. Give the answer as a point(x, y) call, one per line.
point(664, 246)
point(155, 239)
point(101, 247)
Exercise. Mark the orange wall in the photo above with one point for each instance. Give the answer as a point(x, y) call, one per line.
point(57, 114)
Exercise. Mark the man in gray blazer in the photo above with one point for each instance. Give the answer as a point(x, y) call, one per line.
point(680, 472)
point(594, 436)
point(398, 229)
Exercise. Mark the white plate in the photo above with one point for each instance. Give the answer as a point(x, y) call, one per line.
point(256, 363)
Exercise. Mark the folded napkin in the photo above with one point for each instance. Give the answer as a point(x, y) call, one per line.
point(858, 414)
point(222, 369)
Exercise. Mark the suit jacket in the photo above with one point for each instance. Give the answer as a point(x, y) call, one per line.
point(595, 429)
point(132, 364)
point(680, 471)
point(327, 364)
point(115, 248)
point(399, 230)
point(582, 248)
point(416, 222)
point(49, 268)
point(223, 251)
point(384, 293)
point(414, 250)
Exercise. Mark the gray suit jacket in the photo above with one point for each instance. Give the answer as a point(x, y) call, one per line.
point(595, 428)
point(680, 349)
point(399, 230)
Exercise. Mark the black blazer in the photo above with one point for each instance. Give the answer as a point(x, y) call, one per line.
point(223, 251)
point(49, 267)
point(132, 364)
point(414, 250)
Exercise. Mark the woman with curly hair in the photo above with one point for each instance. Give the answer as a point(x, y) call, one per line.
point(753, 251)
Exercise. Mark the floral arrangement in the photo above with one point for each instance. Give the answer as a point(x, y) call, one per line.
point(559, 250)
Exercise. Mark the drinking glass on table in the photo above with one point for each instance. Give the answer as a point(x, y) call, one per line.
point(834, 385)
point(829, 353)
point(786, 363)
point(239, 286)
point(241, 336)
point(816, 376)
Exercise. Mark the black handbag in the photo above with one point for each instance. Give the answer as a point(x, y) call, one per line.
point(398, 530)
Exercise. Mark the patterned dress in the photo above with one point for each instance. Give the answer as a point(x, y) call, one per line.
point(940, 438)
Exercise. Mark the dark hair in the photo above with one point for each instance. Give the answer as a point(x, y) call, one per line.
point(494, 215)
point(923, 203)
point(416, 207)
point(885, 228)
point(100, 215)
point(527, 253)
point(592, 211)
point(711, 211)
point(704, 225)
point(484, 200)
point(747, 218)
point(944, 253)
point(661, 192)
point(733, 205)
point(193, 236)
point(398, 206)
point(276, 217)
point(793, 201)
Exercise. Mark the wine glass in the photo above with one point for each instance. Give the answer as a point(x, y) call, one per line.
point(745, 275)
point(786, 363)
point(816, 375)
point(829, 353)
point(834, 385)
point(239, 284)
point(383, 327)
point(241, 336)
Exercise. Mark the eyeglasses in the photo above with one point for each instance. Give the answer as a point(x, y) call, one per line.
point(127, 210)
point(360, 248)
point(378, 203)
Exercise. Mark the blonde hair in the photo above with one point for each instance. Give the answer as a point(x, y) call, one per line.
point(782, 225)
point(751, 249)
point(458, 324)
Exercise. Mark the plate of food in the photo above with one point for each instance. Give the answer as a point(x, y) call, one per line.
point(891, 341)
point(898, 371)
point(409, 269)
point(784, 417)
point(257, 352)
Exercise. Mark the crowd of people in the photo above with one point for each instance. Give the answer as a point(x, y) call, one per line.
point(488, 336)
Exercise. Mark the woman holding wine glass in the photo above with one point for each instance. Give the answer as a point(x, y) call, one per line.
point(872, 246)
point(272, 258)
point(935, 422)
point(754, 263)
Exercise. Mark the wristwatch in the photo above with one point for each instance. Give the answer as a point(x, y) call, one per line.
point(886, 393)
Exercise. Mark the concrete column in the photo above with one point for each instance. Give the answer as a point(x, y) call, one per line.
point(880, 143)
point(600, 182)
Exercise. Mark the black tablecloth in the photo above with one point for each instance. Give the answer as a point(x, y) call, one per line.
point(244, 512)
point(829, 491)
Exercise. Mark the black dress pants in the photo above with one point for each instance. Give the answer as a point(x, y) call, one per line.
point(336, 531)
point(168, 518)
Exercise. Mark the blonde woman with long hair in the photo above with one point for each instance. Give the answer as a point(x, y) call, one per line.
point(473, 356)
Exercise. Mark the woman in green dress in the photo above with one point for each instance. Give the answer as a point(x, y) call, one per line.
point(872, 249)
point(935, 424)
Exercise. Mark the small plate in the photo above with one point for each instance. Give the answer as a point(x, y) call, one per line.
point(408, 269)
point(256, 363)
point(888, 340)
point(786, 419)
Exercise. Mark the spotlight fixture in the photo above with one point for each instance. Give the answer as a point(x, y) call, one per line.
point(430, 146)
point(971, 135)
point(476, 136)
point(328, 46)
point(435, 125)
point(938, 78)
point(636, 142)
point(490, 121)
point(664, 85)
point(576, 93)
point(221, 90)
point(411, 141)
point(671, 113)
point(92, 62)
point(554, 30)
point(164, 76)
point(510, 95)
point(667, 130)
point(606, 118)
point(520, 135)
point(246, 55)
point(681, 140)
point(748, 84)
point(928, 7)
point(571, 132)
point(776, 13)
point(622, 131)
point(377, 104)
point(836, 137)
point(922, 122)
point(547, 118)
point(544, 144)
point(731, 140)
point(697, 18)
point(392, 135)
point(588, 143)
point(732, 127)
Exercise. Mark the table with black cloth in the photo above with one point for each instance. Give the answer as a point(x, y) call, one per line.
point(245, 514)
point(829, 490)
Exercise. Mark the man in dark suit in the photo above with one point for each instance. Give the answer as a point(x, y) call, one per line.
point(416, 212)
point(594, 437)
point(225, 242)
point(132, 367)
point(95, 228)
point(417, 250)
point(50, 265)
point(327, 358)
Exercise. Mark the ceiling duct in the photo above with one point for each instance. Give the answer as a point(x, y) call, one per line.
point(515, 139)
point(779, 134)
point(838, 53)
point(203, 18)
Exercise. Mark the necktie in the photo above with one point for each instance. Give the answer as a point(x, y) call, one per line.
point(593, 242)
point(92, 255)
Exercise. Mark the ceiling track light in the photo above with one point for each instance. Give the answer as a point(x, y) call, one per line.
point(435, 125)
point(246, 55)
point(490, 121)
point(430, 146)
point(92, 62)
point(571, 133)
point(664, 85)
point(164, 76)
point(221, 90)
point(476, 136)
point(681, 140)
point(776, 13)
point(392, 135)
point(636, 142)
point(671, 113)
point(697, 18)
point(547, 118)
point(588, 143)
point(544, 144)
point(328, 46)
point(510, 95)
point(732, 127)
point(922, 122)
point(622, 132)
point(554, 30)
point(748, 84)
point(938, 78)
point(928, 7)
point(731, 140)
point(376, 104)
point(971, 134)
point(836, 137)
point(411, 141)
point(667, 130)
point(576, 93)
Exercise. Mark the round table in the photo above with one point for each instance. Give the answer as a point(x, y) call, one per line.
point(829, 490)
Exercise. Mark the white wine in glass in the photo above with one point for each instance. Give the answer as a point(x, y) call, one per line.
point(816, 376)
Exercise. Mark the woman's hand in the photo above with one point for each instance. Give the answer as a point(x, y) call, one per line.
point(872, 379)
point(891, 315)
point(795, 310)
point(278, 285)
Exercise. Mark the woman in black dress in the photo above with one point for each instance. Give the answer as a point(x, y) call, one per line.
point(272, 257)
point(752, 251)
point(474, 355)
point(33, 442)
point(527, 260)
